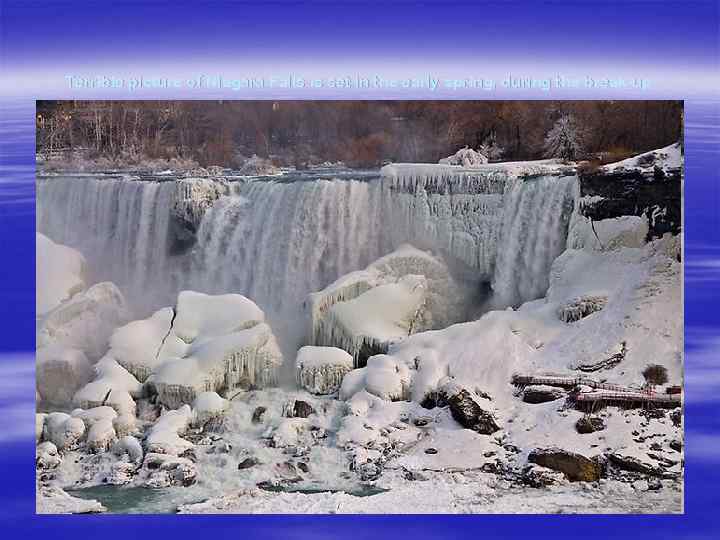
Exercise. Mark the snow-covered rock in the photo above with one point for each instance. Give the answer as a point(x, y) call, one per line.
point(140, 346)
point(208, 406)
point(60, 273)
point(130, 446)
point(258, 166)
point(63, 430)
point(85, 322)
point(377, 318)
point(94, 415)
point(245, 358)
point(164, 436)
point(125, 424)
point(113, 386)
point(60, 372)
point(162, 470)
point(320, 370)
point(46, 456)
point(607, 234)
point(101, 436)
point(39, 426)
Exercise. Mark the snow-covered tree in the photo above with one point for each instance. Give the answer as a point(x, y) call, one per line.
point(490, 148)
point(566, 139)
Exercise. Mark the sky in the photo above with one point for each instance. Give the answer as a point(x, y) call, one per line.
point(673, 45)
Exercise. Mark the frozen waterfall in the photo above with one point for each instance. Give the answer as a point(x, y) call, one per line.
point(276, 240)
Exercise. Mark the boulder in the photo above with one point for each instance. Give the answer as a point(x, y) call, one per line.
point(537, 476)
point(60, 372)
point(467, 410)
point(60, 273)
point(589, 424)
point(575, 467)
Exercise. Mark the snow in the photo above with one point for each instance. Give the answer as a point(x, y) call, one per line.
point(63, 430)
point(101, 436)
point(206, 315)
point(53, 500)
point(320, 370)
point(130, 446)
point(94, 415)
point(669, 157)
point(60, 273)
point(607, 234)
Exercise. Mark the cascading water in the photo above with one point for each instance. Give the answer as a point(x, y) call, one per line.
point(534, 230)
point(277, 240)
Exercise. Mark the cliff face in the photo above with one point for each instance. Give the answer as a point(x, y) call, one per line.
point(648, 185)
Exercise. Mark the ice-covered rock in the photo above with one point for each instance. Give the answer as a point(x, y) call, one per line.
point(245, 358)
point(191, 199)
point(125, 424)
point(60, 372)
point(51, 499)
point(320, 370)
point(203, 315)
point(39, 426)
point(581, 308)
point(96, 414)
point(101, 436)
point(441, 300)
point(163, 470)
point(113, 386)
point(387, 378)
point(465, 157)
point(368, 324)
point(208, 406)
point(130, 446)
point(258, 166)
point(468, 411)
point(86, 321)
point(164, 436)
point(60, 273)
point(63, 430)
point(542, 394)
point(46, 456)
point(140, 346)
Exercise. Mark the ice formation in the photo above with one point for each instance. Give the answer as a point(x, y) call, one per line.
point(208, 406)
point(320, 370)
point(84, 322)
point(60, 372)
point(165, 436)
point(246, 358)
point(60, 273)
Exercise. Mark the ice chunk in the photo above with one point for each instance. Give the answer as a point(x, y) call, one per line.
point(320, 370)
point(39, 426)
point(247, 358)
point(205, 315)
point(59, 273)
point(387, 378)
point(607, 234)
point(130, 446)
point(60, 372)
point(94, 415)
point(207, 406)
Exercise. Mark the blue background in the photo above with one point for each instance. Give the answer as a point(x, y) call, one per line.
point(675, 44)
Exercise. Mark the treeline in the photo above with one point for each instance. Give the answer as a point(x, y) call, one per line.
point(360, 133)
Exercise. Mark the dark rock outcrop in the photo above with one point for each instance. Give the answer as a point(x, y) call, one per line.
point(589, 424)
point(575, 467)
point(633, 192)
point(300, 409)
point(467, 411)
point(537, 476)
point(629, 463)
point(258, 415)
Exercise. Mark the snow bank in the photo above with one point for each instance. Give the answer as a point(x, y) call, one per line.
point(669, 157)
point(60, 372)
point(320, 370)
point(59, 273)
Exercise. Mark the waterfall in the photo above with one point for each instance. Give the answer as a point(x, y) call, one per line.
point(277, 240)
point(534, 231)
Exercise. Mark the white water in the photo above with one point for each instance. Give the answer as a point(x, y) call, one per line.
point(277, 241)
